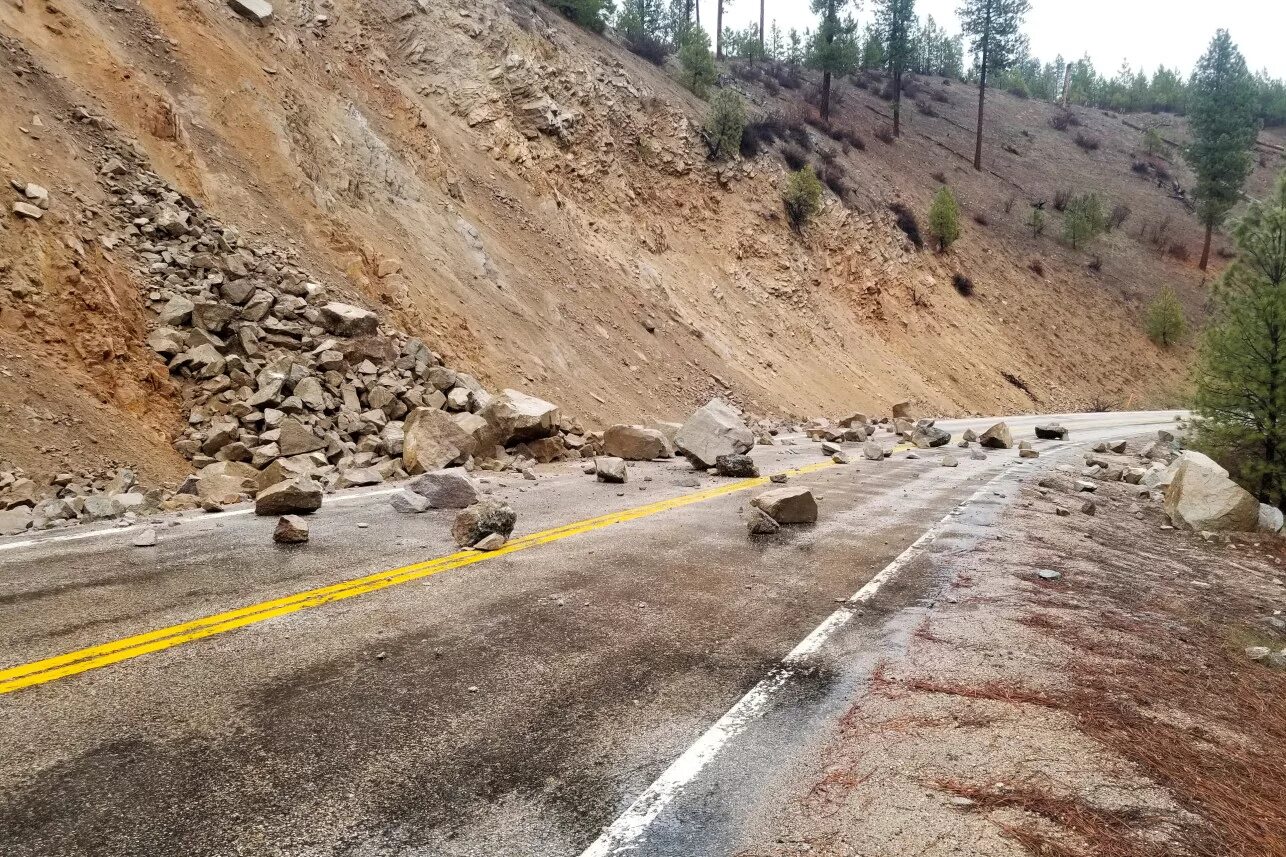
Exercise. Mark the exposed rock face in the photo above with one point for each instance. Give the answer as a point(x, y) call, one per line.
point(432, 440)
point(294, 497)
point(997, 437)
point(515, 417)
point(635, 443)
point(788, 505)
point(713, 430)
point(611, 469)
point(1202, 498)
point(446, 489)
point(481, 520)
point(1053, 431)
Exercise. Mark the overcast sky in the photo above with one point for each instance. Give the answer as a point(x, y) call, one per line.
point(1146, 32)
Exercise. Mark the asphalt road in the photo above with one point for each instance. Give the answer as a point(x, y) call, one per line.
point(517, 705)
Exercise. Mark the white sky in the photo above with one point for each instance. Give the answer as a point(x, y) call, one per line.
point(1147, 32)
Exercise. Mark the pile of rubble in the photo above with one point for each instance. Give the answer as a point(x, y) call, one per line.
point(31, 501)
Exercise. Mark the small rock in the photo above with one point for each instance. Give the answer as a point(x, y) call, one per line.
point(409, 503)
point(736, 465)
point(145, 539)
point(481, 520)
point(26, 209)
point(778, 478)
point(446, 489)
point(490, 542)
point(788, 505)
point(1048, 574)
point(760, 523)
point(1028, 453)
point(611, 469)
point(873, 451)
point(1089, 507)
point(950, 461)
point(291, 530)
point(839, 458)
point(1053, 431)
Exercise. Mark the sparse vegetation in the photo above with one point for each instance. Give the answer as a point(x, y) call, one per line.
point(1062, 197)
point(944, 219)
point(725, 124)
point(795, 157)
point(803, 197)
point(1037, 267)
point(1120, 214)
point(1083, 220)
point(1166, 324)
point(1036, 222)
point(1241, 376)
point(963, 285)
point(906, 221)
point(696, 62)
point(1088, 142)
point(1152, 142)
point(590, 14)
point(940, 177)
point(884, 134)
point(994, 28)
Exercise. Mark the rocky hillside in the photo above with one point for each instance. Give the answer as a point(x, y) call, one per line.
point(528, 203)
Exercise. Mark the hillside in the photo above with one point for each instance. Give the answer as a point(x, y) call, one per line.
point(534, 203)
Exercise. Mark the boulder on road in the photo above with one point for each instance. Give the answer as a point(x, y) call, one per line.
point(348, 320)
point(873, 451)
point(1053, 431)
point(737, 466)
point(446, 489)
point(291, 530)
point(788, 505)
point(1203, 498)
point(902, 410)
point(15, 521)
point(481, 520)
point(713, 430)
point(408, 503)
point(611, 469)
point(927, 436)
point(1271, 519)
point(760, 523)
point(431, 440)
point(300, 496)
point(635, 443)
point(997, 437)
point(515, 417)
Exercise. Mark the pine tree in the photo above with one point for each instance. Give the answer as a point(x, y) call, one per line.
point(795, 53)
point(833, 49)
point(695, 60)
point(1166, 324)
point(1036, 222)
point(873, 55)
point(1221, 113)
point(993, 27)
point(896, 20)
point(1241, 375)
point(1083, 220)
point(776, 49)
point(725, 124)
point(803, 197)
point(944, 219)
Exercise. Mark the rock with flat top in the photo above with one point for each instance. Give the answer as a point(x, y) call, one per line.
point(635, 443)
point(611, 469)
point(788, 505)
point(346, 319)
point(997, 437)
point(872, 451)
point(1053, 431)
point(928, 437)
point(1203, 498)
point(515, 417)
point(291, 530)
point(300, 496)
point(715, 429)
point(736, 466)
point(145, 538)
point(408, 503)
point(431, 440)
point(27, 210)
point(760, 523)
point(446, 489)
point(490, 542)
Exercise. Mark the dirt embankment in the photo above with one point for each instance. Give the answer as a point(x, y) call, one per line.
point(535, 204)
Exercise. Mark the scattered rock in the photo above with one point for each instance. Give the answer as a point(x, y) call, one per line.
point(145, 538)
point(15, 521)
point(1028, 453)
point(928, 437)
point(635, 443)
point(291, 530)
point(873, 451)
point(713, 430)
point(1053, 431)
point(432, 440)
point(736, 465)
point(300, 496)
point(997, 437)
point(788, 505)
point(1271, 519)
point(950, 461)
point(446, 489)
point(778, 478)
point(409, 503)
point(611, 469)
point(760, 523)
point(490, 542)
point(26, 209)
point(1203, 498)
point(1089, 507)
point(481, 520)
point(515, 417)
point(902, 411)
point(830, 448)
point(346, 319)
point(839, 458)
point(1048, 574)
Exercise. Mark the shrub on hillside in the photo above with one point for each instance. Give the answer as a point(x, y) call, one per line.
point(944, 219)
point(1180, 253)
point(884, 134)
point(1088, 142)
point(926, 107)
point(1083, 220)
point(940, 177)
point(1037, 267)
point(1120, 214)
point(833, 177)
point(906, 221)
point(696, 62)
point(725, 124)
point(1062, 196)
point(795, 157)
point(1166, 324)
point(802, 197)
point(1063, 119)
point(963, 284)
point(1036, 222)
point(590, 14)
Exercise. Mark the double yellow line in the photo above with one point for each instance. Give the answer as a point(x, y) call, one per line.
point(94, 657)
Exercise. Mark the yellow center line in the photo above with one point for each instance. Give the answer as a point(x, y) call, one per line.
point(94, 657)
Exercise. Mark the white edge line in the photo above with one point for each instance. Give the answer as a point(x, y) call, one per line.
point(629, 827)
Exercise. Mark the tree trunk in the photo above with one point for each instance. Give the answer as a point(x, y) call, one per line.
point(761, 26)
point(1205, 250)
point(1067, 84)
point(982, 88)
point(826, 96)
point(897, 102)
point(718, 29)
point(696, 5)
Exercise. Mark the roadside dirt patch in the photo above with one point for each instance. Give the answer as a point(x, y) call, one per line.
point(1110, 711)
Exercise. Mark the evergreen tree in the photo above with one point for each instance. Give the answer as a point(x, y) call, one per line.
point(803, 197)
point(696, 63)
point(1152, 142)
point(873, 55)
point(994, 29)
point(1241, 375)
point(1221, 112)
point(944, 219)
point(794, 53)
point(725, 124)
point(776, 48)
point(1036, 222)
point(591, 14)
point(833, 50)
point(896, 20)
point(1083, 220)
point(1166, 324)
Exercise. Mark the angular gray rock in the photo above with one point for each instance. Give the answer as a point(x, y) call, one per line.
point(1203, 498)
point(446, 489)
point(145, 538)
point(736, 465)
point(760, 523)
point(515, 417)
point(290, 530)
point(481, 520)
point(408, 503)
point(297, 438)
point(713, 430)
point(348, 320)
point(15, 521)
point(299, 496)
point(635, 443)
point(873, 451)
point(788, 505)
point(611, 469)
point(1271, 519)
point(950, 461)
point(997, 437)
point(432, 440)
point(1053, 431)
point(927, 437)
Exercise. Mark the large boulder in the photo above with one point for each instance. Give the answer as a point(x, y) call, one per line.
point(15, 521)
point(1202, 497)
point(997, 437)
point(348, 320)
point(927, 436)
point(902, 410)
point(788, 505)
point(446, 489)
point(481, 520)
point(292, 497)
point(635, 443)
point(297, 438)
point(432, 440)
point(611, 469)
point(713, 430)
point(1053, 431)
point(515, 417)
point(1271, 519)
point(737, 466)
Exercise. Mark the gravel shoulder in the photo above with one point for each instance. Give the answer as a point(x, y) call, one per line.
point(1111, 710)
